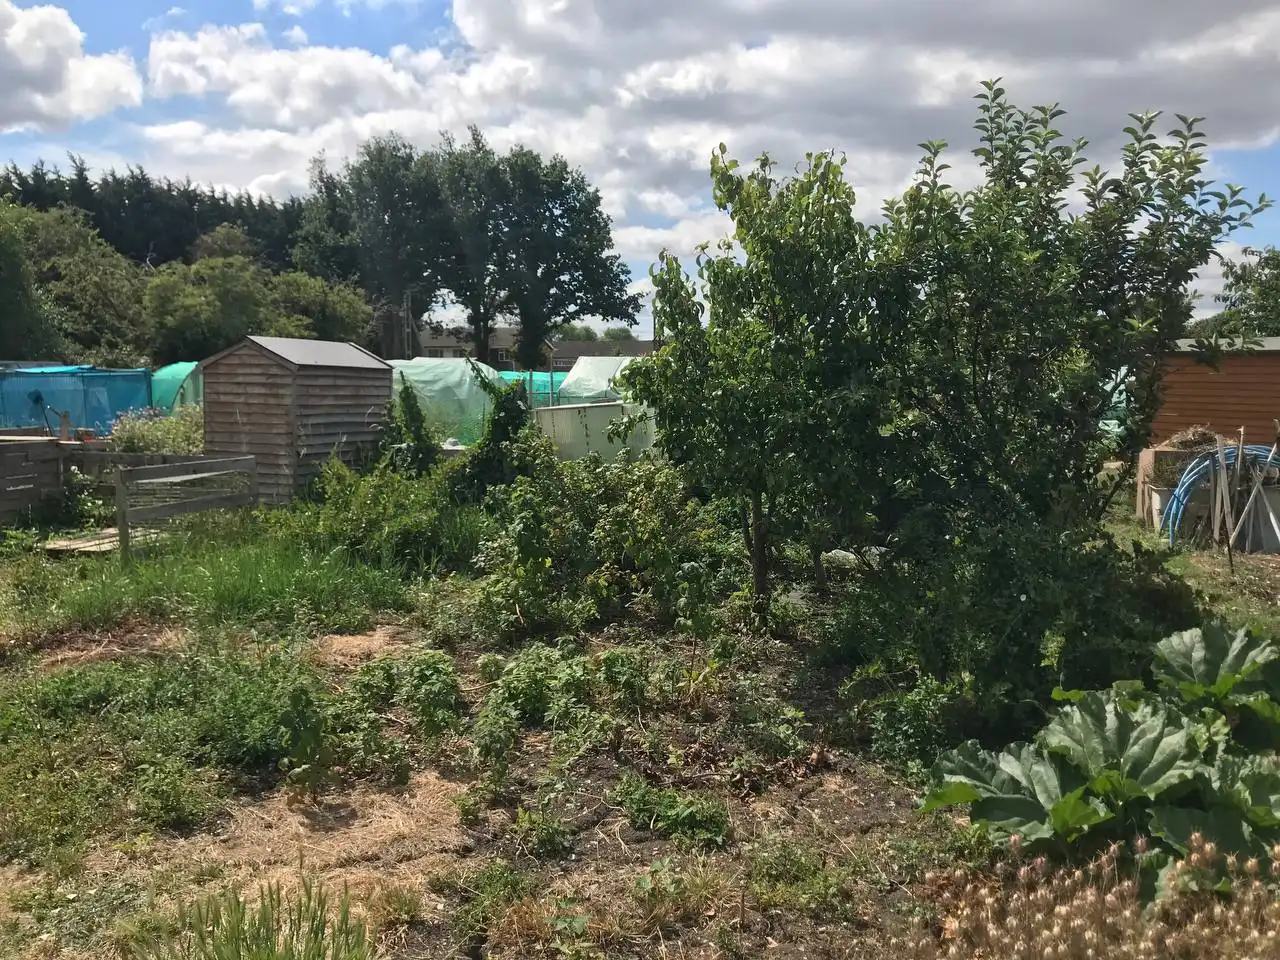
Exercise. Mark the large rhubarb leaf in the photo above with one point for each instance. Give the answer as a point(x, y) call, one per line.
point(1251, 785)
point(1220, 825)
point(1023, 791)
point(1124, 754)
point(1212, 662)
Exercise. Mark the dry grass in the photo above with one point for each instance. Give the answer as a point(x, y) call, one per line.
point(346, 652)
point(1040, 913)
point(366, 843)
point(80, 649)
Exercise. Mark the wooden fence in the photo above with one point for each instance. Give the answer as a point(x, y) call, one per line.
point(145, 495)
point(30, 471)
point(146, 488)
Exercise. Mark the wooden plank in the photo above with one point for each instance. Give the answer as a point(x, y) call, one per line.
point(103, 541)
point(183, 507)
point(170, 470)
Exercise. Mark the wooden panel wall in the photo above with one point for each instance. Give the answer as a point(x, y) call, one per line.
point(338, 409)
point(30, 470)
point(1242, 391)
point(248, 411)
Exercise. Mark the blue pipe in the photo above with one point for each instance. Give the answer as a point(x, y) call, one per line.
point(1194, 475)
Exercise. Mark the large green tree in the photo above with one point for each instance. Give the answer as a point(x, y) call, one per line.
point(773, 400)
point(1250, 298)
point(25, 330)
point(92, 292)
point(934, 386)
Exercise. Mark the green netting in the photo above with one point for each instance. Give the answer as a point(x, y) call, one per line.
point(454, 404)
point(541, 385)
point(591, 380)
point(176, 384)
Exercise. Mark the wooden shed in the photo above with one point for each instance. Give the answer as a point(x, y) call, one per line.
point(292, 404)
point(1242, 390)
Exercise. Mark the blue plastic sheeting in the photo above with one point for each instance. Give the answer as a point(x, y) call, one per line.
point(93, 399)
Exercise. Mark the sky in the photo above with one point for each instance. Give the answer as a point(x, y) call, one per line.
point(244, 93)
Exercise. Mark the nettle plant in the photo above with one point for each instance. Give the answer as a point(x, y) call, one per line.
point(1192, 761)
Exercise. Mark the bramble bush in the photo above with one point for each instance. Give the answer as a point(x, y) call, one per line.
point(584, 541)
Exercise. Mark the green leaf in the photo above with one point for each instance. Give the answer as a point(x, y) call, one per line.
point(1014, 792)
point(1210, 662)
point(1125, 754)
point(1252, 785)
point(1220, 825)
point(1075, 814)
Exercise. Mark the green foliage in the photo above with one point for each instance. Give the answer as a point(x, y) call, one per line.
point(181, 431)
point(301, 927)
point(1167, 763)
point(540, 835)
point(155, 743)
point(587, 539)
point(264, 582)
point(542, 685)
point(407, 441)
point(934, 386)
point(28, 333)
point(690, 817)
point(770, 400)
point(487, 893)
point(390, 519)
point(496, 459)
point(788, 876)
point(1250, 295)
point(429, 691)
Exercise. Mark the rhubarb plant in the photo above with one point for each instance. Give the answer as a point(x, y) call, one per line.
point(1194, 754)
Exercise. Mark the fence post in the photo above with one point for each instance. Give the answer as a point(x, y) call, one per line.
point(122, 514)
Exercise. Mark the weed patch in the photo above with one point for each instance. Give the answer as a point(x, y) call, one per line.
point(693, 818)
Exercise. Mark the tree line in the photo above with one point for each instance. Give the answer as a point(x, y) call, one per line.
point(130, 268)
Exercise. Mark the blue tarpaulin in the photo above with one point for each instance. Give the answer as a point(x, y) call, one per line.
point(92, 399)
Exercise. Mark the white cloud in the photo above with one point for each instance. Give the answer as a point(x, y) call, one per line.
point(46, 78)
point(638, 93)
point(296, 35)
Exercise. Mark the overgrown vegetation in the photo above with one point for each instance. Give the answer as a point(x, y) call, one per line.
point(682, 703)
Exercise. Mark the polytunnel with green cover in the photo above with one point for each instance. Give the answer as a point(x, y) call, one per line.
point(453, 401)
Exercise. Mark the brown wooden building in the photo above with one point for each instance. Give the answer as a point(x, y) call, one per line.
point(292, 404)
point(1243, 390)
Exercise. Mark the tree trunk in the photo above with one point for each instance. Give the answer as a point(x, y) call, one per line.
point(759, 556)
point(819, 568)
point(481, 327)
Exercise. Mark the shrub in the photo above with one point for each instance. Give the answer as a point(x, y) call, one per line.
point(154, 431)
point(408, 443)
point(392, 519)
point(301, 927)
point(1195, 757)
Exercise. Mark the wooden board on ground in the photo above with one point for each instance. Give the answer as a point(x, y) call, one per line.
point(100, 541)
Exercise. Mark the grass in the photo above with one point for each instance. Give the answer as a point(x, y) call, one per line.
point(270, 584)
point(621, 790)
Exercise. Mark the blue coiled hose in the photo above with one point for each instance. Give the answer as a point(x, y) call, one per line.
point(1196, 473)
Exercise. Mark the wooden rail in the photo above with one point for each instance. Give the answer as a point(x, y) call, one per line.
point(166, 498)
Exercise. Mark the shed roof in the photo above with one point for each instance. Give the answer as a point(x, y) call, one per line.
point(311, 353)
point(1262, 345)
point(321, 353)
